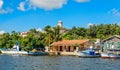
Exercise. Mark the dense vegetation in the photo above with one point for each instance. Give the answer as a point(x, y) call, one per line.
point(34, 39)
point(101, 31)
point(37, 40)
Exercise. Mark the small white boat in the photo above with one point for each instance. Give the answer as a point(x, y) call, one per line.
point(105, 55)
point(110, 55)
point(114, 55)
point(15, 50)
point(90, 53)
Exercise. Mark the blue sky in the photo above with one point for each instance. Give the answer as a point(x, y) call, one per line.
point(22, 15)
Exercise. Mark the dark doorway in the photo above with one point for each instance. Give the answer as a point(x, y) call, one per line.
point(60, 48)
point(74, 47)
point(69, 48)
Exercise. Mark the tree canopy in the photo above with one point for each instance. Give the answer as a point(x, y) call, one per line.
point(37, 39)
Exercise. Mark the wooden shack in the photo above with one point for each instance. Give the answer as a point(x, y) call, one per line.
point(112, 42)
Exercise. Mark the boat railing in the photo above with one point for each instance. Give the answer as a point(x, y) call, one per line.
point(113, 50)
point(10, 49)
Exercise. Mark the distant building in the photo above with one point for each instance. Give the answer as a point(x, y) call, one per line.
point(97, 43)
point(60, 23)
point(62, 29)
point(24, 34)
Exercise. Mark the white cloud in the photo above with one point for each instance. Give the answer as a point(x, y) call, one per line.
point(1, 4)
point(4, 11)
point(8, 10)
point(2, 31)
point(115, 12)
point(39, 29)
point(44, 4)
point(21, 6)
point(25, 5)
point(48, 4)
point(90, 24)
point(82, 0)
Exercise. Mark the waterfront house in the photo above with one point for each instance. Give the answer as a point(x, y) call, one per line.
point(111, 47)
point(112, 42)
point(71, 45)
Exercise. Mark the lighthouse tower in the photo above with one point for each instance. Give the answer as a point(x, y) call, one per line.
point(60, 23)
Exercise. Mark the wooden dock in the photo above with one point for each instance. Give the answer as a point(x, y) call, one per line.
point(63, 53)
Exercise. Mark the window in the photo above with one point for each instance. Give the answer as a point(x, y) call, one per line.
point(118, 46)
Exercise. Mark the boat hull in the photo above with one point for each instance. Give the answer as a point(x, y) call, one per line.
point(107, 55)
point(37, 53)
point(13, 52)
point(23, 53)
point(86, 55)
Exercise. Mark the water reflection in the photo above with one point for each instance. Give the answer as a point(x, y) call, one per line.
point(8, 62)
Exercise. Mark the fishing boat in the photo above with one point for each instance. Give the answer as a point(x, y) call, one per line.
point(108, 55)
point(114, 55)
point(89, 52)
point(105, 55)
point(15, 50)
point(111, 54)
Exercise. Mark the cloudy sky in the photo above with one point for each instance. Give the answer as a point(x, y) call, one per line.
point(22, 15)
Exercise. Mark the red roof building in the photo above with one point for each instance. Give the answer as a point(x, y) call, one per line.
point(70, 45)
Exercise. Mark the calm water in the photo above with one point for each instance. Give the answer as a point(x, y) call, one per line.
point(8, 62)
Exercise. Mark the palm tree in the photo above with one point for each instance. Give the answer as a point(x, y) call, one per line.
point(48, 35)
point(52, 35)
point(57, 35)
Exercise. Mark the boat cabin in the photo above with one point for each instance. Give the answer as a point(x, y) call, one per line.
point(16, 48)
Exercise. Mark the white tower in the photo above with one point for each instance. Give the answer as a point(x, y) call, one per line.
point(60, 23)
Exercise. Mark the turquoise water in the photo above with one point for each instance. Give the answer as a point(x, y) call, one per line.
point(10, 62)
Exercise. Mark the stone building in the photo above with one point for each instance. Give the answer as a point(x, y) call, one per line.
point(62, 29)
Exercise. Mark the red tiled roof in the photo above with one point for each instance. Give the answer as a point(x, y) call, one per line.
point(69, 42)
